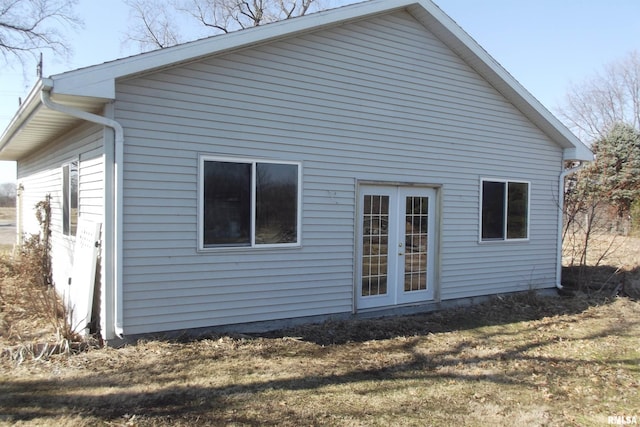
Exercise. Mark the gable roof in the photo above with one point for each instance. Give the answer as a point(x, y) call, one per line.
point(90, 88)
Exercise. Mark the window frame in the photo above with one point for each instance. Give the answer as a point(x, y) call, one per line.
point(505, 238)
point(203, 158)
point(67, 199)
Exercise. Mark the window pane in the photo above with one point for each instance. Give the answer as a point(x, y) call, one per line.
point(227, 203)
point(73, 195)
point(276, 203)
point(517, 210)
point(65, 199)
point(493, 210)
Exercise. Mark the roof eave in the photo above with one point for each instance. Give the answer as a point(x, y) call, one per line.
point(34, 125)
point(99, 80)
point(26, 109)
point(578, 154)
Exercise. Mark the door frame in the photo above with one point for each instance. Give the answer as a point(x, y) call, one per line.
point(394, 296)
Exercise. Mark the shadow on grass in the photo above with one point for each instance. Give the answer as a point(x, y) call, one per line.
point(117, 394)
point(499, 310)
point(609, 280)
point(29, 400)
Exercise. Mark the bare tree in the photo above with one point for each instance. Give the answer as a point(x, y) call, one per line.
point(229, 15)
point(7, 194)
point(595, 106)
point(29, 26)
point(154, 26)
point(154, 23)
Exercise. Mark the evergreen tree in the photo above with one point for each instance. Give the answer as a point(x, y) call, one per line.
point(615, 173)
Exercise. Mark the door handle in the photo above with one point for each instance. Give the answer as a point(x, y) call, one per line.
point(400, 253)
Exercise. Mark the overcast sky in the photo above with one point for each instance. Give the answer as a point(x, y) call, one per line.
point(545, 44)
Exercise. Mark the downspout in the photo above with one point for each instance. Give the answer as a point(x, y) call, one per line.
point(563, 175)
point(45, 96)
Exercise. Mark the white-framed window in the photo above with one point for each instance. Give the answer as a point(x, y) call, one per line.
point(504, 213)
point(70, 198)
point(248, 203)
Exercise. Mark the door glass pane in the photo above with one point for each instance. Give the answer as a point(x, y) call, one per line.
point(276, 203)
point(416, 237)
point(375, 242)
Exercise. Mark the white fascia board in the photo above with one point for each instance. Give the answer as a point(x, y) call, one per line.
point(84, 84)
point(99, 80)
point(582, 154)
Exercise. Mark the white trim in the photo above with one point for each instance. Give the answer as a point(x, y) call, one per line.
point(395, 296)
point(402, 296)
point(202, 158)
point(66, 221)
point(100, 79)
point(563, 175)
point(116, 192)
point(505, 239)
point(98, 82)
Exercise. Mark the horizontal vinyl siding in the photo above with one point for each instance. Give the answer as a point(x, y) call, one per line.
point(376, 100)
point(41, 173)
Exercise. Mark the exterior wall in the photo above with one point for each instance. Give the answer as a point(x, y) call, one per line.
point(41, 173)
point(376, 100)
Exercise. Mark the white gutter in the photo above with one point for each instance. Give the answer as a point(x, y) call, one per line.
point(45, 96)
point(563, 175)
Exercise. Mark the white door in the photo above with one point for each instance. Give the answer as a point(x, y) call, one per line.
point(396, 245)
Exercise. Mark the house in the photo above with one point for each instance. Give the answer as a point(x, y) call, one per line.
point(355, 161)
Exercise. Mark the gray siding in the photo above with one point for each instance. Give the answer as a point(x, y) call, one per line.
point(41, 174)
point(376, 100)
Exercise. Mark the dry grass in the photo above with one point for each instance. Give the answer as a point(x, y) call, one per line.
point(7, 229)
point(613, 267)
point(32, 317)
point(526, 360)
point(7, 214)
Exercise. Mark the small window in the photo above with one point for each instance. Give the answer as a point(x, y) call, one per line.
point(249, 203)
point(70, 198)
point(505, 210)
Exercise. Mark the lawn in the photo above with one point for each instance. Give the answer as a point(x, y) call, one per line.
point(516, 360)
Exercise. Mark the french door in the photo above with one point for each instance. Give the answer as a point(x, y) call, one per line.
point(396, 245)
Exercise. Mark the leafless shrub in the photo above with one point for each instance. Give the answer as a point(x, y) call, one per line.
point(588, 238)
point(28, 295)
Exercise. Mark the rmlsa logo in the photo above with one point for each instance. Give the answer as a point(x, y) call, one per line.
point(623, 420)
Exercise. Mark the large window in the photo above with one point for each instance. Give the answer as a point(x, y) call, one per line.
point(70, 198)
point(505, 210)
point(249, 203)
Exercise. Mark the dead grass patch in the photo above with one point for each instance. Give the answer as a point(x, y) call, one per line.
point(518, 360)
point(613, 267)
point(7, 214)
point(525, 361)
